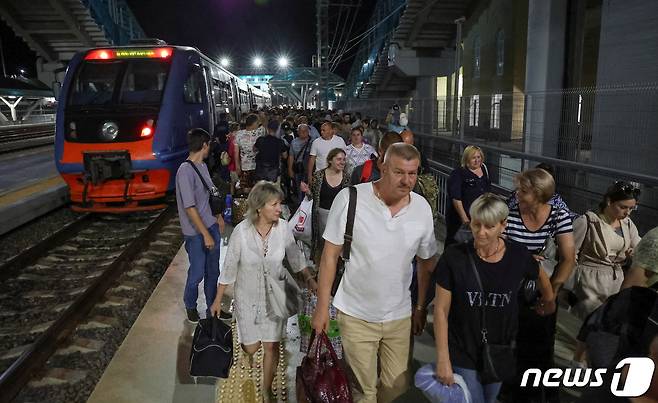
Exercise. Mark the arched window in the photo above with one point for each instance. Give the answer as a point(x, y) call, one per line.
point(476, 56)
point(500, 52)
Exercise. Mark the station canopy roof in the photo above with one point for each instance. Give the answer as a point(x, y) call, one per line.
point(303, 76)
point(23, 87)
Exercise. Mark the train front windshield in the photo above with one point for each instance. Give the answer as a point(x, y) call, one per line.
point(115, 95)
point(119, 82)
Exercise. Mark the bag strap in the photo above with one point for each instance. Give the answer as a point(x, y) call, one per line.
point(349, 226)
point(483, 327)
point(485, 170)
point(366, 173)
point(205, 185)
point(302, 150)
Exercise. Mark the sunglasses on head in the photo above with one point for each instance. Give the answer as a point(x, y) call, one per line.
point(628, 188)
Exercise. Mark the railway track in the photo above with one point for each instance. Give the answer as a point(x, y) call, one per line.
point(51, 294)
point(14, 138)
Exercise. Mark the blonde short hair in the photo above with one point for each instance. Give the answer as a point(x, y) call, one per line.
point(538, 181)
point(489, 209)
point(259, 196)
point(468, 154)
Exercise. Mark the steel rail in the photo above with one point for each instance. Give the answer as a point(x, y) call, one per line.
point(41, 248)
point(21, 371)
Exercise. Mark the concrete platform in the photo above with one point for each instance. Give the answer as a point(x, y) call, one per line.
point(29, 187)
point(151, 365)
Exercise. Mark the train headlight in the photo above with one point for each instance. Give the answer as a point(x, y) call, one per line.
point(147, 130)
point(109, 131)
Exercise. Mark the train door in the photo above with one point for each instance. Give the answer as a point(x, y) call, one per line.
point(235, 101)
point(193, 112)
point(209, 101)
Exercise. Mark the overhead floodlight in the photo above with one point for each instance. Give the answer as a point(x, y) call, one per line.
point(258, 61)
point(293, 84)
point(317, 92)
point(225, 61)
point(283, 62)
point(317, 83)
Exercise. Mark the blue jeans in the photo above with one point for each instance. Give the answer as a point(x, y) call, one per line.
point(204, 265)
point(479, 393)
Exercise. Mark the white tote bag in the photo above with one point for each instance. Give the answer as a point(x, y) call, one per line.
point(300, 223)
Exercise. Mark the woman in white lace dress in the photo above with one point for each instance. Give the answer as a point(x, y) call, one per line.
point(256, 249)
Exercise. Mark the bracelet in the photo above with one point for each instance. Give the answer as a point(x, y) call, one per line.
point(420, 308)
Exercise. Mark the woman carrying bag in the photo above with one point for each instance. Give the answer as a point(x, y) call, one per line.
point(476, 306)
point(604, 240)
point(547, 233)
point(465, 184)
point(254, 266)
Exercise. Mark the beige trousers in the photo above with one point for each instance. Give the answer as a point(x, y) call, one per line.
point(366, 342)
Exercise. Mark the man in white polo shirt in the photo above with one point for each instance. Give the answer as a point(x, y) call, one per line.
point(392, 226)
point(321, 146)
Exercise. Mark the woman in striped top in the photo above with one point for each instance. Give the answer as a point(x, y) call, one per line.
point(535, 223)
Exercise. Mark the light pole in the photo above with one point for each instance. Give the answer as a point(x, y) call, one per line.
point(2, 59)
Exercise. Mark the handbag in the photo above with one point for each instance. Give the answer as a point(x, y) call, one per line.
point(215, 200)
point(282, 296)
point(464, 234)
point(305, 317)
point(212, 349)
point(347, 244)
point(528, 290)
point(435, 391)
point(320, 377)
point(497, 362)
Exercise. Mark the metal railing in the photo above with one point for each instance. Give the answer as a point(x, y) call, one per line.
point(117, 20)
point(592, 137)
point(26, 111)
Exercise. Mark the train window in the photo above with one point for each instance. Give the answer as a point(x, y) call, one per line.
point(144, 82)
point(193, 87)
point(217, 93)
point(94, 83)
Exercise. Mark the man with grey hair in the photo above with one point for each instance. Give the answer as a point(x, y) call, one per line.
point(392, 226)
point(298, 156)
point(321, 146)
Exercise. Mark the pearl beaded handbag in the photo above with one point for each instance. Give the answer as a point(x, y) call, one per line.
point(245, 381)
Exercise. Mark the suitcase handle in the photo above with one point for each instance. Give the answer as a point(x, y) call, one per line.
point(215, 325)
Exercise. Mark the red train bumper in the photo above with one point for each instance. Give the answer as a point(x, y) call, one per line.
point(139, 193)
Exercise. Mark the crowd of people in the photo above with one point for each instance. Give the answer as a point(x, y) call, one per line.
point(506, 267)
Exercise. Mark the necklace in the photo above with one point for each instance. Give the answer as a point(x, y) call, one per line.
point(492, 254)
point(265, 240)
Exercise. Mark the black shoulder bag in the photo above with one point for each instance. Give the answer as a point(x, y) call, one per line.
point(298, 167)
point(497, 362)
point(347, 244)
point(528, 289)
point(216, 202)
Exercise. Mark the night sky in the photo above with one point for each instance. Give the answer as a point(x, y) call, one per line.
point(238, 28)
point(235, 28)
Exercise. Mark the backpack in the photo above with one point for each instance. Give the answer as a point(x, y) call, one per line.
point(366, 173)
point(427, 187)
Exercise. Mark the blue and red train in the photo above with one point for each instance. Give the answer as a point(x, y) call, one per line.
point(123, 116)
